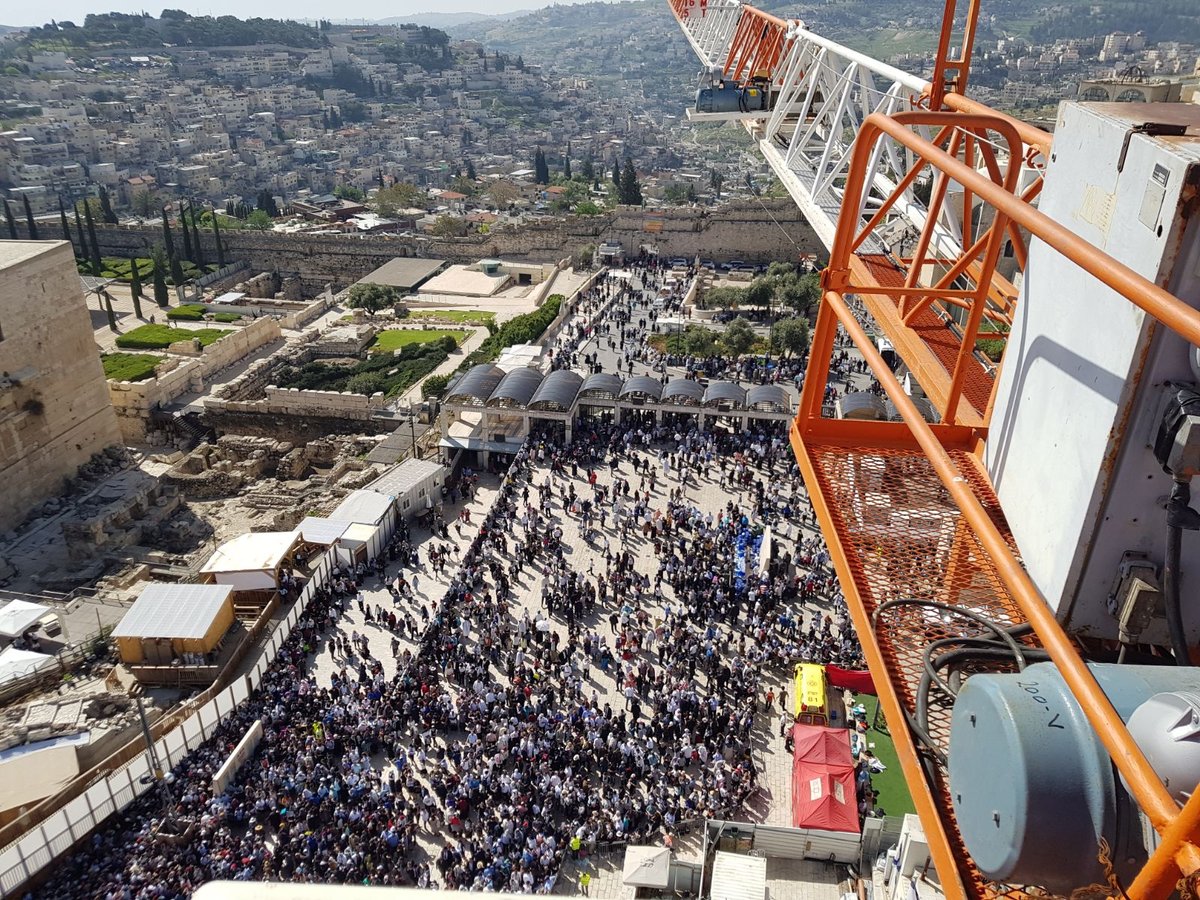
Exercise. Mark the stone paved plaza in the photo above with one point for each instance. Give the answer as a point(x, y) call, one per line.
point(591, 667)
point(769, 804)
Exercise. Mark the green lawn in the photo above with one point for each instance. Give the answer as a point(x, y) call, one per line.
point(893, 790)
point(156, 337)
point(395, 338)
point(468, 316)
point(129, 366)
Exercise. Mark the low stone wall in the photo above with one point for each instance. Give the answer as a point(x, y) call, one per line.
point(293, 401)
point(134, 400)
point(252, 383)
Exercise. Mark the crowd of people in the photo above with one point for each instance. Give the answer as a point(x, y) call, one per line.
point(602, 667)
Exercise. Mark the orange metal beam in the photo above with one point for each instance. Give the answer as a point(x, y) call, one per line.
point(1177, 853)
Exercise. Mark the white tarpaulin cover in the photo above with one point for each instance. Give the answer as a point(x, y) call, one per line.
point(177, 611)
point(739, 877)
point(255, 551)
point(647, 867)
point(18, 616)
point(14, 663)
point(315, 530)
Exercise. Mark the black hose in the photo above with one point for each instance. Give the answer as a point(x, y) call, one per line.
point(1171, 604)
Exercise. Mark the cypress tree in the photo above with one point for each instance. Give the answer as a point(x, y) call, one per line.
point(97, 264)
point(33, 232)
point(177, 271)
point(631, 188)
point(196, 243)
point(188, 253)
point(616, 175)
point(106, 210)
point(8, 217)
point(84, 255)
point(168, 240)
point(217, 238)
point(567, 167)
point(66, 228)
point(135, 286)
point(160, 278)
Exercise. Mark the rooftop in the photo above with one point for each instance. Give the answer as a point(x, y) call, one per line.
point(177, 611)
point(465, 282)
point(404, 272)
point(14, 252)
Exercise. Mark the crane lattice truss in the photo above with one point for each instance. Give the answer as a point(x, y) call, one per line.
point(911, 224)
point(907, 507)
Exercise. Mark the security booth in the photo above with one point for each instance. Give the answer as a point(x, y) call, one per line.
point(372, 518)
point(597, 397)
point(415, 486)
point(550, 406)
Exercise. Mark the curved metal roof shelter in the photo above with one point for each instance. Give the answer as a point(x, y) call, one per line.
point(601, 387)
point(683, 391)
point(474, 388)
point(928, 410)
point(724, 394)
point(644, 385)
point(516, 388)
point(768, 398)
point(863, 405)
point(557, 391)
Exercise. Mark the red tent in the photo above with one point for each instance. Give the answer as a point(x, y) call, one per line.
point(823, 780)
point(822, 746)
point(824, 800)
point(858, 681)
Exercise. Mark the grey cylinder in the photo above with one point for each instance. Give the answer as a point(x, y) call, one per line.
point(1032, 785)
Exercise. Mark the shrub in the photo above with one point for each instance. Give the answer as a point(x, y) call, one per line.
point(227, 317)
point(434, 386)
point(129, 366)
point(190, 312)
point(365, 383)
point(156, 337)
point(523, 329)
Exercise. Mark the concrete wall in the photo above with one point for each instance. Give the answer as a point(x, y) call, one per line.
point(134, 400)
point(757, 232)
point(54, 408)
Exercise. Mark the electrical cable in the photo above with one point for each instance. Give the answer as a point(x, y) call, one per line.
point(1180, 516)
point(1171, 605)
point(995, 643)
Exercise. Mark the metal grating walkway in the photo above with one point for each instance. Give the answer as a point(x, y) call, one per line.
point(897, 534)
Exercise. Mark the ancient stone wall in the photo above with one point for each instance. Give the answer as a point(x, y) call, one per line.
point(300, 427)
point(54, 408)
point(757, 231)
point(134, 400)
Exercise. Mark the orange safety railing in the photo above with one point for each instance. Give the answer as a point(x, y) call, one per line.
point(947, 454)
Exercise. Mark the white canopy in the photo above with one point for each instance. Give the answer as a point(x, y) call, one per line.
point(18, 616)
point(178, 611)
point(14, 663)
point(315, 530)
point(254, 551)
point(647, 867)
